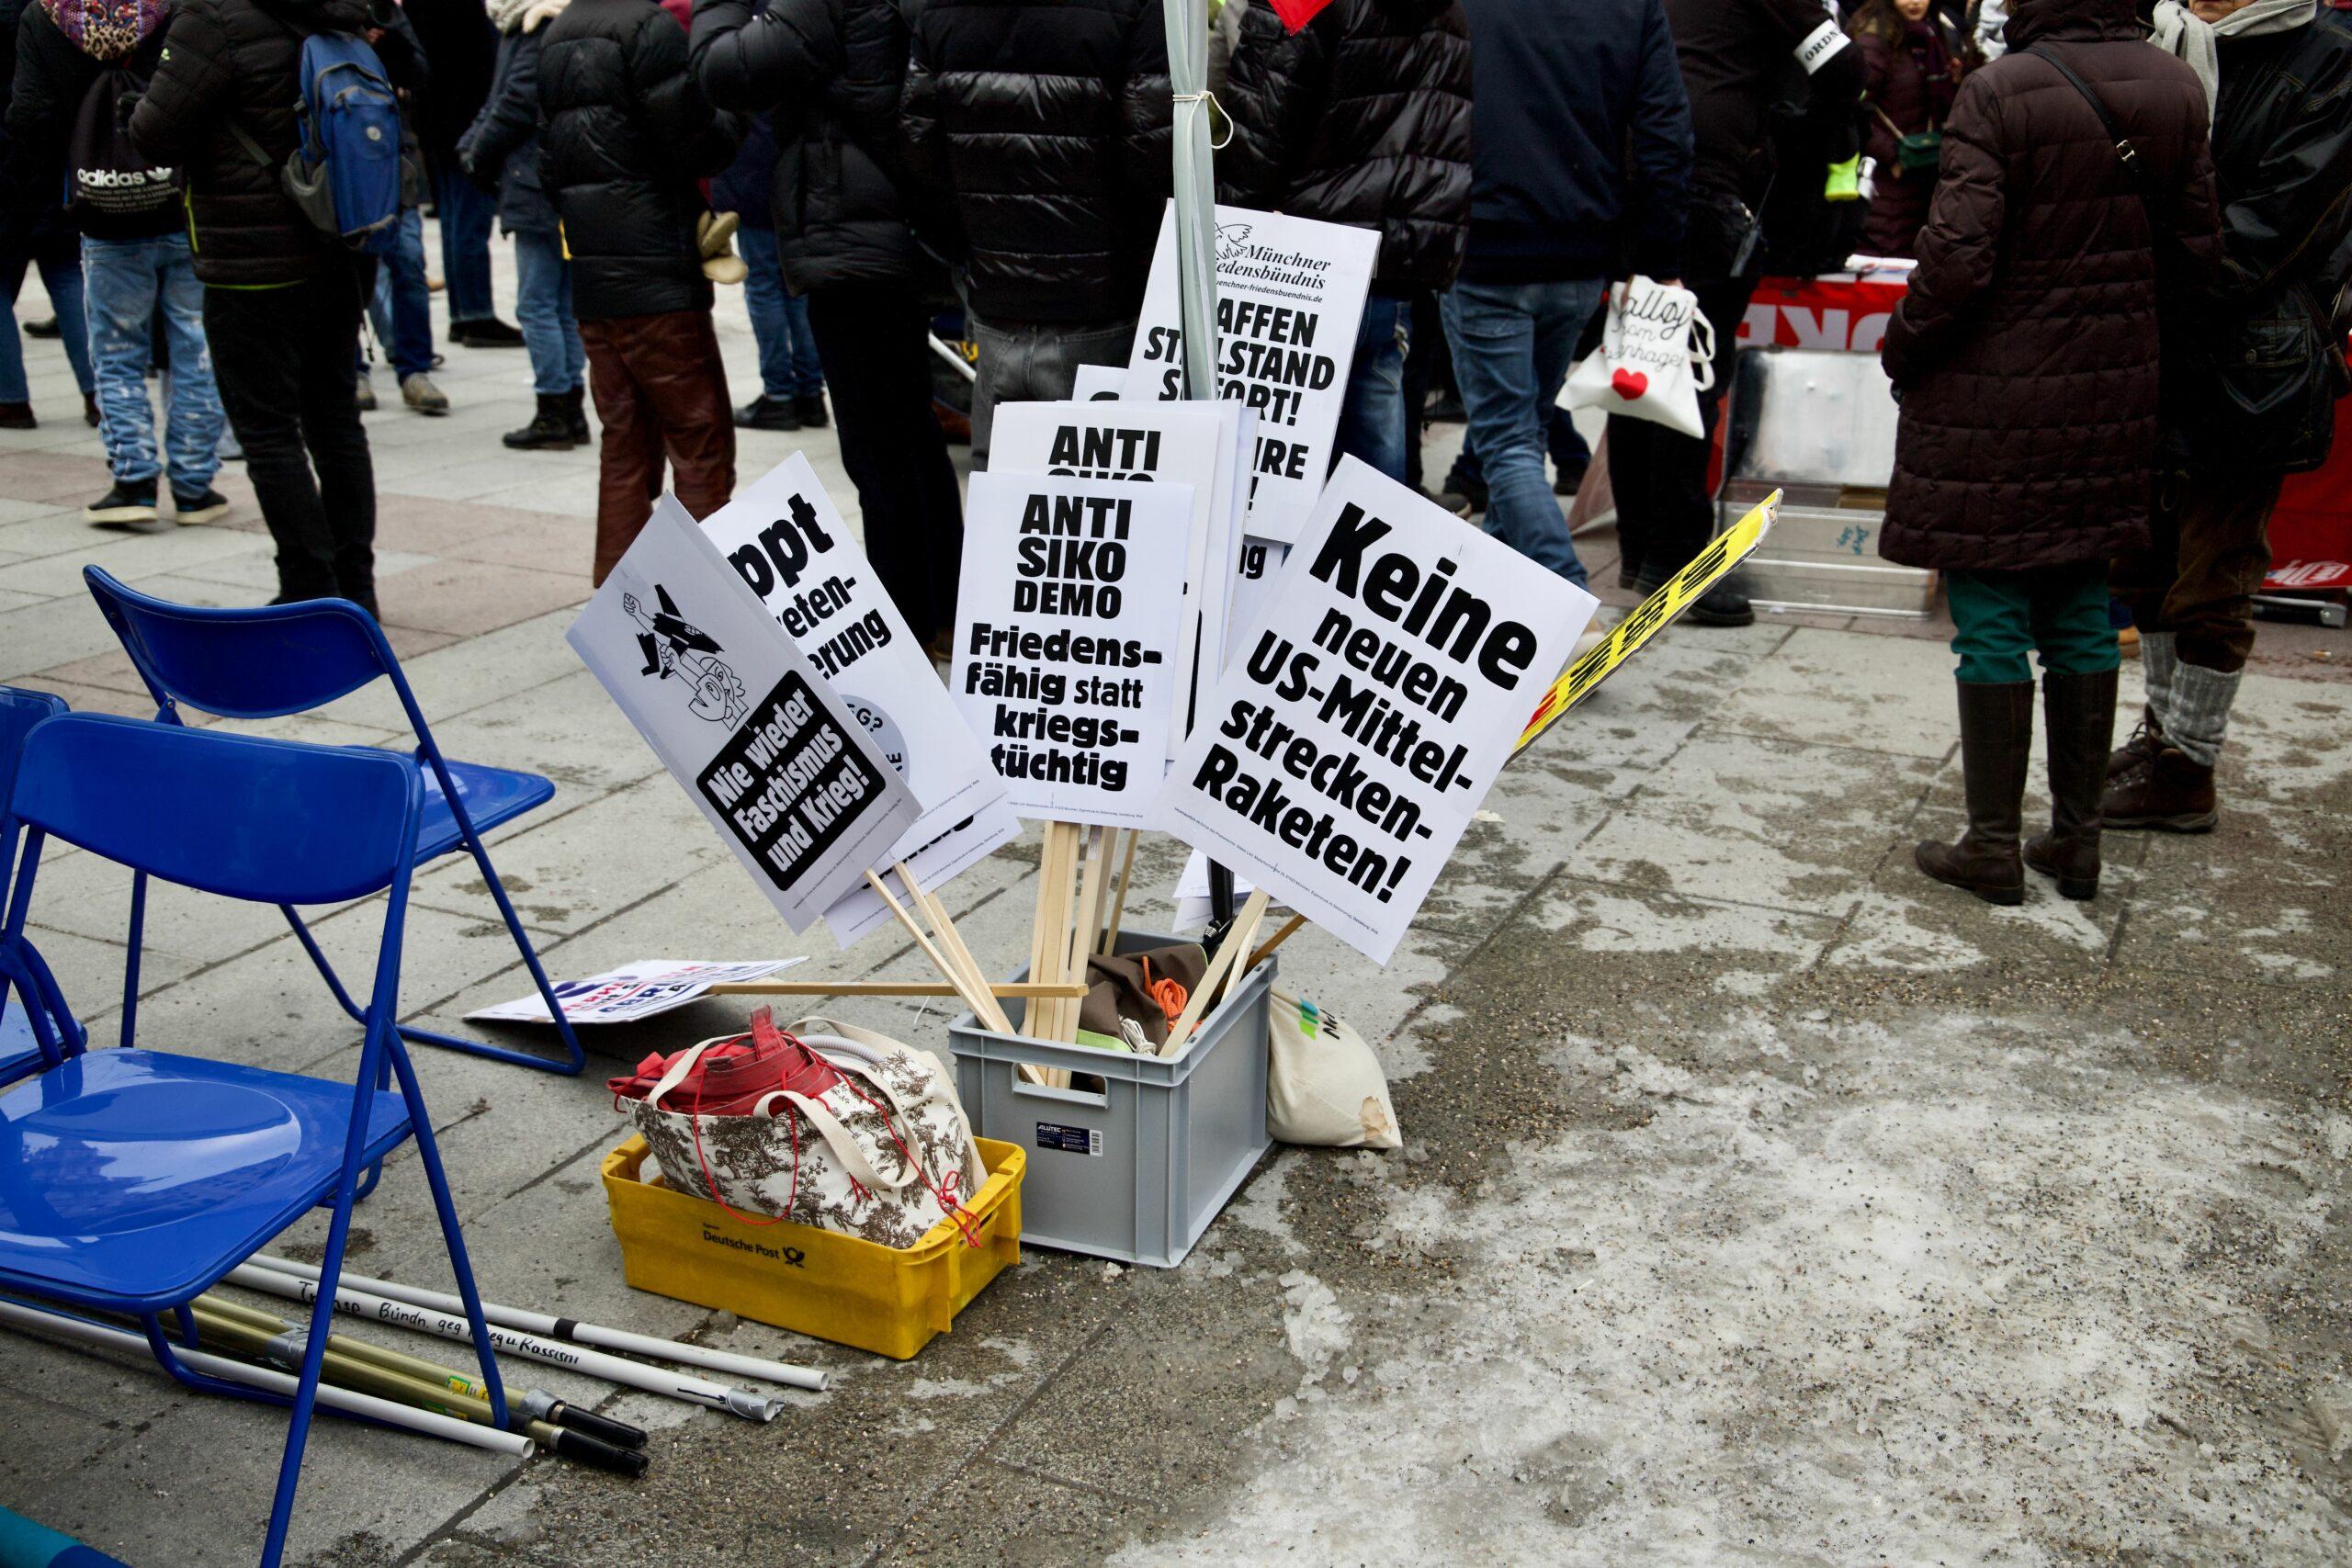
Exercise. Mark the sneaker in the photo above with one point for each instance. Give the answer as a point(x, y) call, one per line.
point(204, 507)
point(419, 393)
point(1453, 501)
point(365, 395)
point(811, 409)
point(488, 332)
point(129, 503)
point(764, 413)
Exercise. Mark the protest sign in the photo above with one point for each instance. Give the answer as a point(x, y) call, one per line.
point(860, 911)
point(1067, 624)
point(1677, 594)
point(631, 992)
point(786, 540)
point(741, 719)
point(1254, 575)
point(1289, 295)
point(1340, 759)
point(1199, 445)
point(1100, 384)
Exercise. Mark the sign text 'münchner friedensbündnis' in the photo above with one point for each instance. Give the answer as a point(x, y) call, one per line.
point(778, 766)
point(1364, 716)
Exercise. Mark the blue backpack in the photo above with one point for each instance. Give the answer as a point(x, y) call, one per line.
point(348, 172)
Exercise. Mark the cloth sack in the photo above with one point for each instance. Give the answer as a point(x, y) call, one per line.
point(1324, 1087)
point(1656, 355)
point(885, 1153)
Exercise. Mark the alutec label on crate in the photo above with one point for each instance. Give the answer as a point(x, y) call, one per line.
point(1069, 1140)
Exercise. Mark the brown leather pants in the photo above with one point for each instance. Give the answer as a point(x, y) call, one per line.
point(660, 391)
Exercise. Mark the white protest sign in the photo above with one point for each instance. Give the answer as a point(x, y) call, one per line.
point(1289, 295)
point(631, 992)
point(786, 538)
point(1197, 445)
point(1100, 384)
point(1253, 580)
point(1068, 620)
point(1340, 759)
point(860, 912)
point(740, 718)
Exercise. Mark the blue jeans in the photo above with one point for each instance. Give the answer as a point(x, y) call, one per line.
point(1511, 346)
point(466, 211)
point(402, 309)
point(1372, 426)
point(64, 282)
point(127, 281)
point(788, 366)
point(543, 309)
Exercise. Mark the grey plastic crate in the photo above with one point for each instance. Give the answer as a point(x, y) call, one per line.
point(1138, 1171)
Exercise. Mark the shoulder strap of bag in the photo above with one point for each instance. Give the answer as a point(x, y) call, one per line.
point(837, 1137)
point(2127, 151)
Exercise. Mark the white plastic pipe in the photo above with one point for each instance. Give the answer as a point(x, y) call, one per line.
point(549, 1326)
point(593, 1363)
point(17, 1316)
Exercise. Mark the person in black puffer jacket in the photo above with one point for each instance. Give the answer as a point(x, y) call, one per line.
point(625, 135)
point(1043, 127)
point(282, 300)
point(832, 72)
point(2253, 372)
point(1362, 117)
point(500, 151)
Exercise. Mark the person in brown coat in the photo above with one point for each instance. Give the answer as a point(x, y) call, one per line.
point(1912, 63)
point(2025, 357)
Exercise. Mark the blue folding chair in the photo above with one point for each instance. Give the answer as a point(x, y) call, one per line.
point(287, 659)
point(36, 1030)
point(132, 1180)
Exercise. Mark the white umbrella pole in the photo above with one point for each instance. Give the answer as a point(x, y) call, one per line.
point(81, 1331)
point(552, 1327)
point(593, 1363)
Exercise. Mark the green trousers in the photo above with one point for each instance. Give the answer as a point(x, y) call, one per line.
point(1999, 617)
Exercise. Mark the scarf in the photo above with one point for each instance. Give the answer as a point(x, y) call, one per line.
point(104, 29)
point(2195, 43)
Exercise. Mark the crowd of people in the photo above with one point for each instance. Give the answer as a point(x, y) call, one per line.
point(2126, 320)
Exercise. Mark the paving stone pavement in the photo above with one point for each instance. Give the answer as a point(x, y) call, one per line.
point(1760, 1203)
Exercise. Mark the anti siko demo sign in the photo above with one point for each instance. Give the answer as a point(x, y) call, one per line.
point(1069, 618)
point(740, 718)
point(1364, 716)
point(1289, 295)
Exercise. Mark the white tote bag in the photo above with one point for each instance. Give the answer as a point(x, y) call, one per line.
point(1656, 355)
point(1324, 1087)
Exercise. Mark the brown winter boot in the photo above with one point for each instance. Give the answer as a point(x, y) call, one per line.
point(2167, 790)
point(2147, 739)
point(1995, 744)
point(2078, 714)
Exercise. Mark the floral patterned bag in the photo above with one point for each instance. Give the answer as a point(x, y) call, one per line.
point(884, 1154)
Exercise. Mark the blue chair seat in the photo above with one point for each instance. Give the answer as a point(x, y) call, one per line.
point(127, 1175)
point(492, 795)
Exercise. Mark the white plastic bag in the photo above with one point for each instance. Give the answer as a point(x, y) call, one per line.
point(1656, 355)
point(1324, 1087)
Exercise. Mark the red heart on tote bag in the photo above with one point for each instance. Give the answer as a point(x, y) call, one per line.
point(1628, 384)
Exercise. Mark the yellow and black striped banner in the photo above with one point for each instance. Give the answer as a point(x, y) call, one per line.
point(1727, 551)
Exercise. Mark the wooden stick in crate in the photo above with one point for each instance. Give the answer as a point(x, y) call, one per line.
point(1228, 954)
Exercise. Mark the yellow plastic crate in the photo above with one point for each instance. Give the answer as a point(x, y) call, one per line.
point(815, 1282)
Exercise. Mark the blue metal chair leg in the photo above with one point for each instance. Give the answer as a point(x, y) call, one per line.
point(428, 1154)
point(130, 961)
point(576, 1058)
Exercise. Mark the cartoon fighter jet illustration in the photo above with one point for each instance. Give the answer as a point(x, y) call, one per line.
point(675, 645)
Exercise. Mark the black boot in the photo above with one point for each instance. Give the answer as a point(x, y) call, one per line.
point(575, 416)
point(1995, 744)
point(547, 432)
point(2078, 715)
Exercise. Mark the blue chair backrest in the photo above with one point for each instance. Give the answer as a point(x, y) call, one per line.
point(240, 663)
point(19, 711)
point(274, 821)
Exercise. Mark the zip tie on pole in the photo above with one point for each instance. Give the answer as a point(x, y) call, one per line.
point(1204, 96)
point(15, 1314)
point(354, 1302)
point(551, 1328)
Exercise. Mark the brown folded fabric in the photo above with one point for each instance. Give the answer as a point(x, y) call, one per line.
point(1135, 984)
